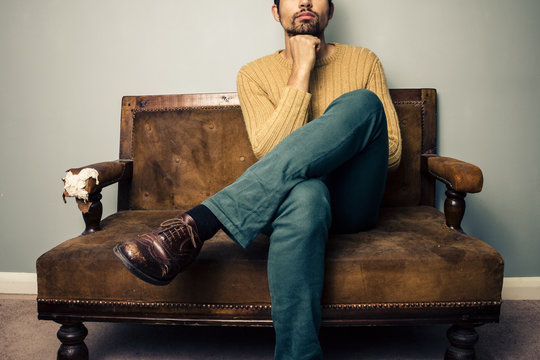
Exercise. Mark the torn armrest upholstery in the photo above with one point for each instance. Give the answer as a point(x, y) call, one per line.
point(85, 181)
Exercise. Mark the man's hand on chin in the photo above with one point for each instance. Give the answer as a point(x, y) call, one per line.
point(303, 50)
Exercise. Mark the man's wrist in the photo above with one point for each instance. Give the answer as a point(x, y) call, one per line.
point(300, 79)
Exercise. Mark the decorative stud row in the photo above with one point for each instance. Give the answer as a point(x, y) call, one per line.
point(420, 305)
point(225, 106)
point(340, 307)
point(409, 102)
point(185, 108)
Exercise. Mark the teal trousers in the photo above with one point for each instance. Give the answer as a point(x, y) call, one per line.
point(327, 176)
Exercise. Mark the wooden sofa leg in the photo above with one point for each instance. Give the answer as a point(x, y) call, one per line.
point(72, 337)
point(462, 338)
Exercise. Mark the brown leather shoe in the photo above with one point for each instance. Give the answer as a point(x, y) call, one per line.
point(158, 256)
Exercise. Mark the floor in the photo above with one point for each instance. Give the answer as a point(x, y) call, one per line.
point(22, 337)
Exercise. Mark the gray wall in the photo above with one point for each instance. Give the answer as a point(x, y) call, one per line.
point(65, 65)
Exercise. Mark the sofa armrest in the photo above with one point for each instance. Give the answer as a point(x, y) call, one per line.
point(85, 184)
point(456, 174)
point(85, 181)
point(460, 178)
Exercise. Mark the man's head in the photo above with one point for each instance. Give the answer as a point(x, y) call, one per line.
point(303, 17)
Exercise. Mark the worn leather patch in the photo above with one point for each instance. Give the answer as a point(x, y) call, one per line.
point(459, 175)
point(182, 157)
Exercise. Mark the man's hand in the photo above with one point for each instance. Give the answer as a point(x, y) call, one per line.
point(303, 50)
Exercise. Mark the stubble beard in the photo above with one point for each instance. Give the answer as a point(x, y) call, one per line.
point(312, 27)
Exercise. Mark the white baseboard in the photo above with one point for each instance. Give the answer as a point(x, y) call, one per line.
point(514, 288)
point(521, 288)
point(18, 283)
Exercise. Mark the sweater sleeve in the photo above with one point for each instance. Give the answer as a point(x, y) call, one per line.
point(377, 84)
point(268, 123)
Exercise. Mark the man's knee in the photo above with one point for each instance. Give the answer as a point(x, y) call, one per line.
point(360, 99)
point(364, 100)
point(359, 104)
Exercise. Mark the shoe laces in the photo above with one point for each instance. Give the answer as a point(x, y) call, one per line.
point(174, 227)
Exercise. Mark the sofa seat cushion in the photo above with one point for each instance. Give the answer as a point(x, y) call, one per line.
point(411, 256)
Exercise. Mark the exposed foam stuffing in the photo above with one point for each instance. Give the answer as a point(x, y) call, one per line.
point(75, 184)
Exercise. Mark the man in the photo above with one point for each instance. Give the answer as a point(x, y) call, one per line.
point(320, 118)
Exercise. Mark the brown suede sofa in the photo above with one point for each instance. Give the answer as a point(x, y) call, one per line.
point(416, 267)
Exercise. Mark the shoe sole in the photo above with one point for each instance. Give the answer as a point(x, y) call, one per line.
point(135, 271)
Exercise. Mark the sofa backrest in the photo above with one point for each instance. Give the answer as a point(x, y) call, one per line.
point(185, 148)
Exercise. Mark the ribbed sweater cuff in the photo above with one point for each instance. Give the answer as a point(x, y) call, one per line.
point(297, 99)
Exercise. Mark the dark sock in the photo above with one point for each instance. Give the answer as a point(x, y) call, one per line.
point(207, 223)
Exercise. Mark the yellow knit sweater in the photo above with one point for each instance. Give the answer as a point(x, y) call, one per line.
point(272, 110)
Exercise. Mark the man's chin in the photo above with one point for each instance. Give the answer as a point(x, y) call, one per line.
point(305, 30)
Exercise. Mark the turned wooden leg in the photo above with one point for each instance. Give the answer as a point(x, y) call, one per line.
point(91, 212)
point(72, 337)
point(454, 209)
point(462, 338)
